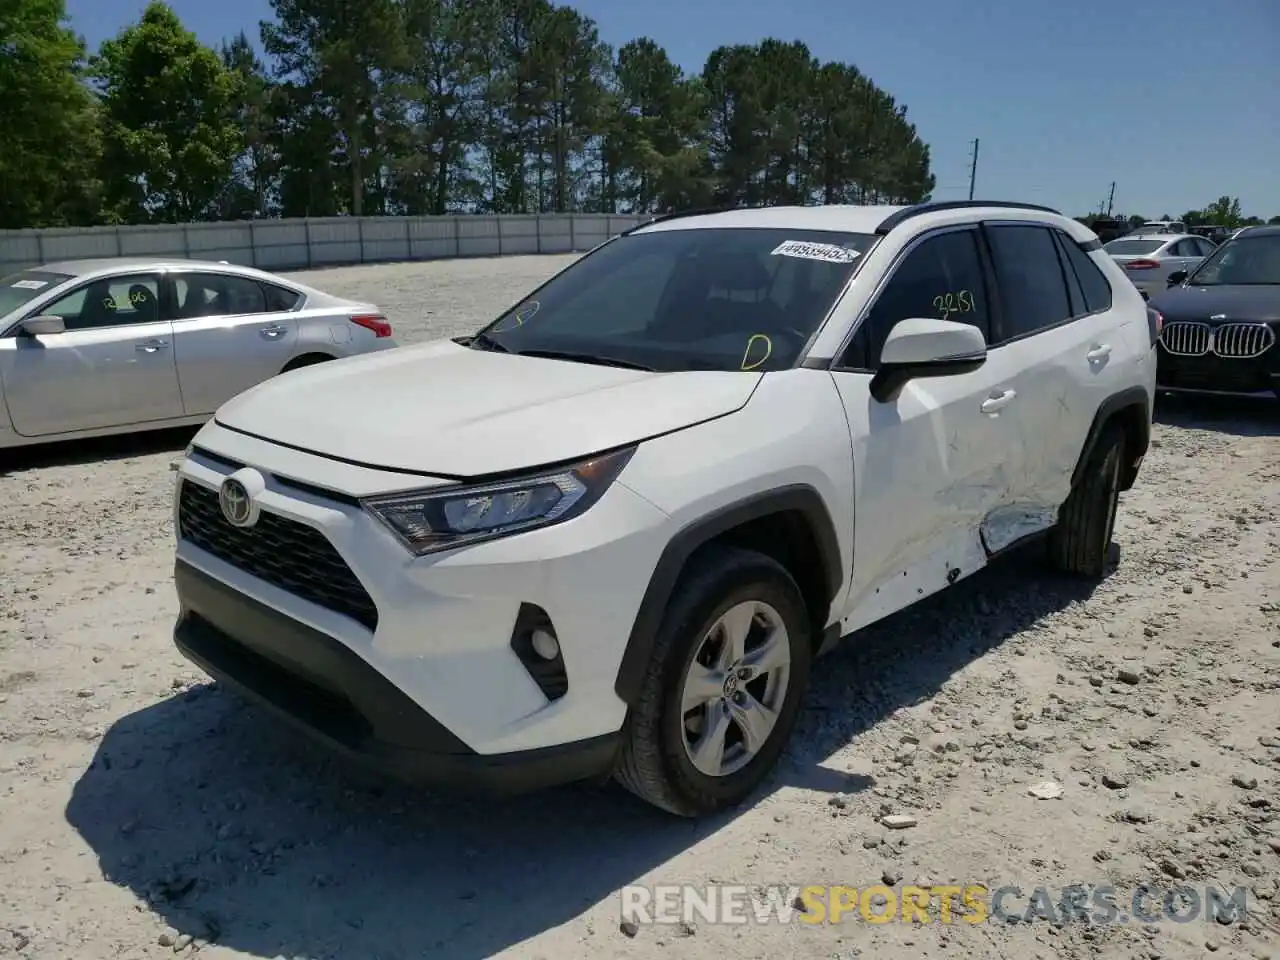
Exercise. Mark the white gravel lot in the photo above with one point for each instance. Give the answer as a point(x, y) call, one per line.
point(143, 812)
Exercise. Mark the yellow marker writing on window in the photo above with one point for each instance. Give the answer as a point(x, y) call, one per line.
point(961, 301)
point(746, 354)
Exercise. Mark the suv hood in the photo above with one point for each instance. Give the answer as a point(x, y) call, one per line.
point(1237, 302)
point(445, 410)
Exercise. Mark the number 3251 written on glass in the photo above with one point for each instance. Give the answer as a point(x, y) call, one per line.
point(961, 301)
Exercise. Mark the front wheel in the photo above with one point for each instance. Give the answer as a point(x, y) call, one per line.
point(1081, 542)
point(724, 685)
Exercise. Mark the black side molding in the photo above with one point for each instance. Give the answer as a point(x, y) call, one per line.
point(799, 498)
point(1135, 398)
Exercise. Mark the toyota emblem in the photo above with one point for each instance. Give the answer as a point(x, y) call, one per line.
point(235, 503)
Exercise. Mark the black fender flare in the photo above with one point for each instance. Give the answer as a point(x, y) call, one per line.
point(1129, 397)
point(798, 498)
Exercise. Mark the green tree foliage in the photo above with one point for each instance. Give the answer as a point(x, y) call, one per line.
point(49, 118)
point(170, 131)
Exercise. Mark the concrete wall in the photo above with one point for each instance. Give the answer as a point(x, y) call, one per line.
point(318, 242)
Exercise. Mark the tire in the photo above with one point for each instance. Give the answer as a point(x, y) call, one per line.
point(656, 762)
point(306, 360)
point(1080, 544)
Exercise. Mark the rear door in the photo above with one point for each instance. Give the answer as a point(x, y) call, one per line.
point(1064, 343)
point(231, 332)
point(113, 366)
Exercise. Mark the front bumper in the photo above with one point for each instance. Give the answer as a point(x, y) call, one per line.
point(438, 634)
point(1210, 372)
point(329, 692)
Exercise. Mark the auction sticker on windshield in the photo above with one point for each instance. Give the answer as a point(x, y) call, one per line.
point(826, 252)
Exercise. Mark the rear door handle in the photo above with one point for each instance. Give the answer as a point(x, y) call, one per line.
point(998, 401)
point(273, 332)
point(1100, 352)
point(152, 346)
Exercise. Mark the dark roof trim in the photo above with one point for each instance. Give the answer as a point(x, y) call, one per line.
point(920, 209)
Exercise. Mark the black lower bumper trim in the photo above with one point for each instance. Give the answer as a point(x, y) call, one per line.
point(334, 695)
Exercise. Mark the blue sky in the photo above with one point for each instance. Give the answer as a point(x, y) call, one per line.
point(1177, 101)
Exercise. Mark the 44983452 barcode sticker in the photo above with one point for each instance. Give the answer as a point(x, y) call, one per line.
point(805, 250)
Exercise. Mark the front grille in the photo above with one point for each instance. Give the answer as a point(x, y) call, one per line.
point(289, 555)
point(1184, 339)
point(1243, 340)
point(1235, 341)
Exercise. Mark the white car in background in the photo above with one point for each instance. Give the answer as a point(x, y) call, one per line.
point(95, 347)
point(1149, 259)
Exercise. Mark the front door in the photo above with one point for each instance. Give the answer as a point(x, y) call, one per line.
point(226, 339)
point(113, 366)
point(930, 465)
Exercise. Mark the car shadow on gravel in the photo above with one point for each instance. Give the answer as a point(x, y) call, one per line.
point(232, 826)
point(1235, 416)
point(95, 450)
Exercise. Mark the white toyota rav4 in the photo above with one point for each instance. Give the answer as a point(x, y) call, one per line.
point(609, 533)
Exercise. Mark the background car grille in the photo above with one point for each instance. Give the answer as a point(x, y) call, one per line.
point(1242, 339)
point(284, 553)
point(1233, 340)
point(1185, 339)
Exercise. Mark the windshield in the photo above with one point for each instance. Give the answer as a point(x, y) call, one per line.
point(1244, 261)
point(19, 289)
point(694, 299)
point(1135, 248)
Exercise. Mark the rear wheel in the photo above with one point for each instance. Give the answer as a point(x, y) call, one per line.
point(1081, 542)
point(306, 360)
point(729, 669)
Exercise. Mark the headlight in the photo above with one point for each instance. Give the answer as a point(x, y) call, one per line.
point(429, 521)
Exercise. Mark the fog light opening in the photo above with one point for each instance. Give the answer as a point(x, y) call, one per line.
point(545, 645)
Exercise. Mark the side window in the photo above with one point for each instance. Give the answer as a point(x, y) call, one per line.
point(279, 299)
point(1206, 248)
point(942, 278)
point(112, 302)
point(216, 295)
point(1033, 290)
point(1185, 248)
point(1097, 291)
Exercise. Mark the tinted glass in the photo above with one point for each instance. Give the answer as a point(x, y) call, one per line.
point(110, 302)
point(1093, 284)
point(21, 288)
point(1133, 248)
point(698, 299)
point(1247, 261)
point(216, 295)
point(278, 298)
point(1033, 290)
point(942, 278)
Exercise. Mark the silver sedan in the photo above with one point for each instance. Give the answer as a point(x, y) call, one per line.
point(96, 347)
point(1149, 259)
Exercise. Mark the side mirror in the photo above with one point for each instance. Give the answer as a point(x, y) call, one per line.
point(1177, 277)
point(926, 347)
point(41, 326)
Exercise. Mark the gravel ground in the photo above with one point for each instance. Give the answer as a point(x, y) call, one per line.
point(144, 812)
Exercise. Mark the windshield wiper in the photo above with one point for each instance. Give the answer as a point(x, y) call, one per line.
point(484, 341)
point(584, 358)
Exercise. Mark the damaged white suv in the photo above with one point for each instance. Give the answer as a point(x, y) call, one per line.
point(609, 533)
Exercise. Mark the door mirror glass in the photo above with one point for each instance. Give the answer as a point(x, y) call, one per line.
point(1177, 277)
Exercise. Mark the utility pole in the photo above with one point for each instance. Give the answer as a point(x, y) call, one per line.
point(973, 168)
point(1111, 197)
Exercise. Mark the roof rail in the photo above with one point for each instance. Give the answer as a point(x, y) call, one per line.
point(920, 209)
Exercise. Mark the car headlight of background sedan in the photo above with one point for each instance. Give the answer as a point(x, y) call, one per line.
point(429, 521)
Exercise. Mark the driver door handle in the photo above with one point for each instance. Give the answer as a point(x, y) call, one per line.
point(1099, 352)
point(274, 331)
point(998, 401)
point(151, 346)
